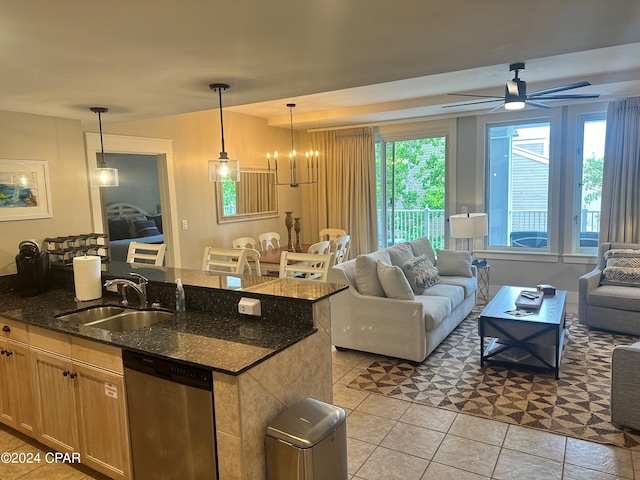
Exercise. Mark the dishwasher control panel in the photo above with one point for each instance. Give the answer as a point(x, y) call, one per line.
point(168, 369)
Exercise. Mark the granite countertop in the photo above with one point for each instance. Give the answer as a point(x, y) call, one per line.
point(223, 343)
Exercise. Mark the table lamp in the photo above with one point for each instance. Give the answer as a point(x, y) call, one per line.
point(468, 226)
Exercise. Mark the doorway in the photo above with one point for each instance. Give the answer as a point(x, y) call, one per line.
point(162, 151)
point(410, 183)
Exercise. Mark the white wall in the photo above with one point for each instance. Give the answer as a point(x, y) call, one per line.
point(59, 142)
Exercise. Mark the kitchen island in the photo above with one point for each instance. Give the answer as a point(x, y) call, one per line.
point(261, 365)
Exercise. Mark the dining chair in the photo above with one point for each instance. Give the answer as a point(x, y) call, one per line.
point(149, 253)
point(244, 242)
point(253, 255)
point(225, 260)
point(331, 234)
point(320, 247)
point(305, 266)
point(342, 245)
point(269, 240)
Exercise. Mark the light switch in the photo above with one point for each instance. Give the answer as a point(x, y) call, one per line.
point(185, 225)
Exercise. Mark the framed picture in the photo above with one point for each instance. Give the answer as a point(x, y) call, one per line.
point(24, 190)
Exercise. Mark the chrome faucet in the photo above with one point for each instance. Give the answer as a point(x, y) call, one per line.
point(140, 288)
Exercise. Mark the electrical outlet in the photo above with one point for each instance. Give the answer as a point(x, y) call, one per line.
point(249, 306)
point(464, 210)
point(185, 225)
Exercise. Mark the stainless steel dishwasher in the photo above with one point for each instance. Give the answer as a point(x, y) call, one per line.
point(171, 419)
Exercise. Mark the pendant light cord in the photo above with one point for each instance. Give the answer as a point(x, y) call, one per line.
point(291, 105)
point(221, 122)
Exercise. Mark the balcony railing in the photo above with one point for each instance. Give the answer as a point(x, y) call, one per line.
point(407, 225)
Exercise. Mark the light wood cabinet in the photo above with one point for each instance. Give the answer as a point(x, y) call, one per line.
point(16, 393)
point(81, 406)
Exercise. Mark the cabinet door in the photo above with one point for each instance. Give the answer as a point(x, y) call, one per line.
point(8, 405)
point(102, 418)
point(23, 388)
point(55, 401)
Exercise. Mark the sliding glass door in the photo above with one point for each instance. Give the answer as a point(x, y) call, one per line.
point(410, 184)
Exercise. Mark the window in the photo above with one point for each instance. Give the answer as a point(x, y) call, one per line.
point(410, 182)
point(518, 184)
point(590, 153)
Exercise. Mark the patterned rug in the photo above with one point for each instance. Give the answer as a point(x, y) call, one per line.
point(576, 405)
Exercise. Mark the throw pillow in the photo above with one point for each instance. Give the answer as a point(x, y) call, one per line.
point(394, 283)
point(422, 246)
point(158, 221)
point(146, 228)
point(454, 262)
point(421, 274)
point(118, 229)
point(622, 267)
point(366, 274)
point(400, 253)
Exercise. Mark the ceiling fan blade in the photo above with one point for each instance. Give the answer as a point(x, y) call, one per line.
point(564, 97)
point(559, 89)
point(536, 104)
point(498, 107)
point(478, 96)
point(473, 103)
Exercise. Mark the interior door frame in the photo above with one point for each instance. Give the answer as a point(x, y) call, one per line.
point(163, 150)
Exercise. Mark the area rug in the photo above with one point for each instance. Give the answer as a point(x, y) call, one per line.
point(576, 405)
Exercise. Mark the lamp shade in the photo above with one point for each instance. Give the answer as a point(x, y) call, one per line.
point(224, 170)
point(468, 225)
point(104, 177)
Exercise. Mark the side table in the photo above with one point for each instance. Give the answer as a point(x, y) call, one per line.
point(483, 282)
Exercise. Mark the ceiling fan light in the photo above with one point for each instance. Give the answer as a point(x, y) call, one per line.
point(514, 105)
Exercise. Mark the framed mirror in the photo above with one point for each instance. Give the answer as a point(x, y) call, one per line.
point(252, 197)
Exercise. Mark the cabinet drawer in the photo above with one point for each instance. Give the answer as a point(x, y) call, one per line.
point(50, 341)
point(98, 354)
point(16, 330)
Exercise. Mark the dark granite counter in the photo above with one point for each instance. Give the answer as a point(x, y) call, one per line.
point(211, 333)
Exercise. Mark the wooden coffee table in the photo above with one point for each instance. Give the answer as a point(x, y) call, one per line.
point(531, 341)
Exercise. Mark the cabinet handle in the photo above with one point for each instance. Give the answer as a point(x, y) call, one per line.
point(3, 351)
point(65, 373)
point(8, 353)
point(73, 375)
point(6, 328)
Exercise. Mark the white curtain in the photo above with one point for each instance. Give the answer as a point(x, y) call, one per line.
point(345, 196)
point(620, 218)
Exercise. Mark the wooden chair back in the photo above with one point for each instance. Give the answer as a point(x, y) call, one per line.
point(224, 260)
point(269, 240)
point(244, 242)
point(308, 266)
point(341, 246)
point(149, 253)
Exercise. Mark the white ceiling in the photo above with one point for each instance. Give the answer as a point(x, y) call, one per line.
point(343, 62)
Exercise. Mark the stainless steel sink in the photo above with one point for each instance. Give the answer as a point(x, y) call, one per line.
point(132, 320)
point(91, 314)
point(114, 318)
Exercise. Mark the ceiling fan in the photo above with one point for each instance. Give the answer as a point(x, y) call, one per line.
point(516, 96)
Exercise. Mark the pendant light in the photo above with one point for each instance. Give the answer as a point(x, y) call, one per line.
point(311, 157)
point(103, 176)
point(223, 169)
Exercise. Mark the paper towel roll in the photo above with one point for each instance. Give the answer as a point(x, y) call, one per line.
point(87, 278)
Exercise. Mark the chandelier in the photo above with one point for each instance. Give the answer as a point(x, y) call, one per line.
point(311, 161)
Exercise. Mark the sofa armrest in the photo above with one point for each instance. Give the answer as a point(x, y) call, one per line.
point(625, 385)
point(587, 282)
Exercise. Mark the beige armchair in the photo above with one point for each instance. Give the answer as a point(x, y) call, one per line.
point(609, 307)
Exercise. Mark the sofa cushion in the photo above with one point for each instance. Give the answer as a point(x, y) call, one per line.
point(454, 293)
point(436, 310)
point(366, 273)
point(420, 273)
point(469, 284)
point(400, 253)
point(622, 267)
point(615, 297)
point(454, 262)
point(422, 246)
point(394, 283)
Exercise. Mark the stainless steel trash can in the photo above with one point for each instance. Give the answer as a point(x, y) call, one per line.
point(308, 442)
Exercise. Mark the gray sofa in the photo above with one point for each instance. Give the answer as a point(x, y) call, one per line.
point(366, 318)
point(609, 303)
